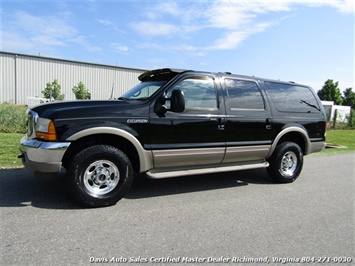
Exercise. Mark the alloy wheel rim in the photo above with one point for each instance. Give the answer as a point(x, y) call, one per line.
point(289, 164)
point(101, 177)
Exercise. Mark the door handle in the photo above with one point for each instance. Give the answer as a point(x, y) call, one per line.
point(221, 123)
point(268, 123)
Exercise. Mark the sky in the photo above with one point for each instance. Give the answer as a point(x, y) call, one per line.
point(303, 41)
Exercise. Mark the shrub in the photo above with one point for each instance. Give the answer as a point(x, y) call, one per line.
point(351, 119)
point(12, 118)
point(52, 90)
point(81, 92)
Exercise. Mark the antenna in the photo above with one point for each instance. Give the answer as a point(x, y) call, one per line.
point(113, 83)
point(111, 98)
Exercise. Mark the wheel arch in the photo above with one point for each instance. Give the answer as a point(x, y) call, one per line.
point(294, 134)
point(141, 159)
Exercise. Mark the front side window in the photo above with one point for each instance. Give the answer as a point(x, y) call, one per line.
point(143, 90)
point(199, 92)
point(244, 94)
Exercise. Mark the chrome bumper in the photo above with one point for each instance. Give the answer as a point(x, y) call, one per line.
point(41, 156)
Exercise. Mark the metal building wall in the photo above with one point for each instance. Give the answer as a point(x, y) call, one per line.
point(24, 76)
point(8, 79)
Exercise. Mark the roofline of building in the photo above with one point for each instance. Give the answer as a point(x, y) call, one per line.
point(70, 61)
point(138, 69)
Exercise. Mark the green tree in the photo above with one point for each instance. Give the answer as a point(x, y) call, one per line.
point(81, 92)
point(52, 91)
point(330, 92)
point(349, 98)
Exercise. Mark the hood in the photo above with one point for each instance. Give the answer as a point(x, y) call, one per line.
point(81, 109)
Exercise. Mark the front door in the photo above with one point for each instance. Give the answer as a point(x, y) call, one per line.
point(195, 136)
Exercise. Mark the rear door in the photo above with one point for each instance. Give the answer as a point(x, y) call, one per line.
point(249, 123)
point(196, 136)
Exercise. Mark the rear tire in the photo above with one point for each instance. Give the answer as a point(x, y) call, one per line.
point(99, 176)
point(286, 163)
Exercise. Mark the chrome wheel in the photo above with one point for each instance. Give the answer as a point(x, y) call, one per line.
point(101, 177)
point(288, 164)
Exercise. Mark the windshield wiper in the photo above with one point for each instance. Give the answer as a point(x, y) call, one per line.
point(311, 105)
point(123, 99)
point(130, 99)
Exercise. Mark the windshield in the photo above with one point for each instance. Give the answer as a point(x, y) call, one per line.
point(143, 90)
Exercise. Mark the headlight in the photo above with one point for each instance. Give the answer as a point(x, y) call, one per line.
point(45, 129)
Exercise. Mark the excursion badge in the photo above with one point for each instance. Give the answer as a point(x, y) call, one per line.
point(137, 121)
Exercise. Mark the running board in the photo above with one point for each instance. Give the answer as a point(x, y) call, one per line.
point(167, 173)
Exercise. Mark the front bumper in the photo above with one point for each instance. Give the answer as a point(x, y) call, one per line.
point(42, 157)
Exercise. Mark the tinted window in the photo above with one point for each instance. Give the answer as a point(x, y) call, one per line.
point(292, 98)
point(244, 94)
point(143, 90)
point(199, 92)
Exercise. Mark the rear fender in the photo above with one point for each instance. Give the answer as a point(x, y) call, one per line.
point(292, 129)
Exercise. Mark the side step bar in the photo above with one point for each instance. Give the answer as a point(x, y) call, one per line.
point(168, 172)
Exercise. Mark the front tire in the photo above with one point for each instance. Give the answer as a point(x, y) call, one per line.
point(286, 162)
point(99, 176)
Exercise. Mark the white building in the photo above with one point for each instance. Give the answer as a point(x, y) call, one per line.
point(25, 76)
point(342, 112)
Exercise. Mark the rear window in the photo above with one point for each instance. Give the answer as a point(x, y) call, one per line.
point(292, 98)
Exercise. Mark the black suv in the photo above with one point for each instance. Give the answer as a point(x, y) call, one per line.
point(175, 123)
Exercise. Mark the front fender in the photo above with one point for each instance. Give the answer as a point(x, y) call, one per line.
point(145, 157)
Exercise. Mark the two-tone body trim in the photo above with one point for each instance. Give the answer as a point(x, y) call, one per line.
point(208, 156)
point(187, 157)
point(246, 153)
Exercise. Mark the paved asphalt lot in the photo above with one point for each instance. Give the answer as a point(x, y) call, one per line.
point(238, 215)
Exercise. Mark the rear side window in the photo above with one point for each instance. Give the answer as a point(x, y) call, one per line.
point(292, 98)
point(243, 94)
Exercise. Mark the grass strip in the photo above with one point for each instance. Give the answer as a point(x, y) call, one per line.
point(9, 150)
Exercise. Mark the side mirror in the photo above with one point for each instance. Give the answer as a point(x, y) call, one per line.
point(177, 101)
